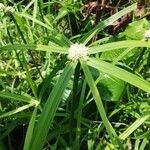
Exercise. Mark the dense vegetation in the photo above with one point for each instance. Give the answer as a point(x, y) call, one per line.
point(74, 75)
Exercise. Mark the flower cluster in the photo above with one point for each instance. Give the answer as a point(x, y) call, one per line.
point(147, 34)
point(78, 51)
point(6, 9)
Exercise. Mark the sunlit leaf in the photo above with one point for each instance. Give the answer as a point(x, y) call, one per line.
point(50, 107)
point(119, 73)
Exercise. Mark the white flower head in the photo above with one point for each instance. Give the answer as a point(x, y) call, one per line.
point(147, 34)
point(2, 7)
point(9, 10)
point(78, 51)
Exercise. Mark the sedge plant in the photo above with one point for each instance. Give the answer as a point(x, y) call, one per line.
point(74, 72)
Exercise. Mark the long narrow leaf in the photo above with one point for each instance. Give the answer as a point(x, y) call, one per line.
point(99, 103)
point(133, 127)
point(118, 45)
point(17, 110)
point(50, 108)
point(16, 97)
point(50, 48)
point(30, 130)
point(119, 73)
point(35, 20)
point(106, 22)
point(35, 10)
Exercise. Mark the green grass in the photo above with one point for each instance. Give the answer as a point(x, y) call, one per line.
point(50, 102)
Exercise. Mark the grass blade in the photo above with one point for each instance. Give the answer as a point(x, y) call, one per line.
point(118, 45)
point(35, 10)
point(50, 48)
point(16, 97)
point(99, 103)
point(133, 127)
point(119, 73)
point(17, 110)
point(30, 130)
point(79, 117)
point(50, 108)
point(35, 20)
point(85, 39)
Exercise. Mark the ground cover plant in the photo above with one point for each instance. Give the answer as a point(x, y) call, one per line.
point(74, 75)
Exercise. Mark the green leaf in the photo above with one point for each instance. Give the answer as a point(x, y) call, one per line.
point(118, 45)
point(62, 13)
point(136, 29)
point(29, 132)
point(17, 110)
point(50, 108)
point(111, 88)
point(119, 73)
point(126, 53)
point(144, 135)
point(99, 103)
point(35, 20)
point(16, 97)
point(133, 127)
point(35, 10)
point(45, 84)
point(50, 48)
point(60, 39)
point(103, 24)
point(143, 144)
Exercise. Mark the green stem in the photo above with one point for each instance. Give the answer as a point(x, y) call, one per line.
point(74, 102)
point(96, 95)
point(147, 65)
point(79, 117)
point(139, 59)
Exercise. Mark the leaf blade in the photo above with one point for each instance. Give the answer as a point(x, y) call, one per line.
point(85, 39)
point(50, 108)
point(55, 49)
point(118, 45)
point(119, 73)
